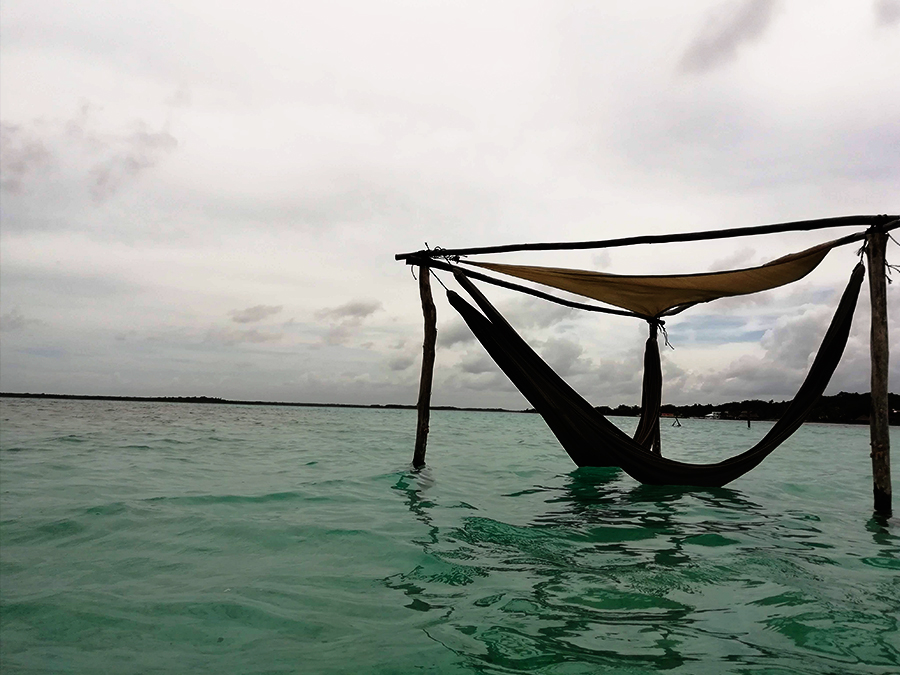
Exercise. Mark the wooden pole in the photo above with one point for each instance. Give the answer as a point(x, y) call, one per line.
point(879, 351)
point(424, 403)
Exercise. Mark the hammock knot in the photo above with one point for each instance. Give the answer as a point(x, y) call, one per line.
point(439, 252)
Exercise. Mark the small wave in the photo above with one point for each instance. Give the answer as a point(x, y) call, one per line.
point(55, 531)
point(233, 499)
point(883, 563)
point(113, 509)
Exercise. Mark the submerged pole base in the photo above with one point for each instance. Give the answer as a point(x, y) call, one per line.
point(881, 472)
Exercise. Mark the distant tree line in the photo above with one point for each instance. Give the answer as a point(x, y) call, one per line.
point(843, 408)
point(226, 401)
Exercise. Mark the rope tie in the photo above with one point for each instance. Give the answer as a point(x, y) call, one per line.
point(438, 252)
point(659, 324)
point(888, 267)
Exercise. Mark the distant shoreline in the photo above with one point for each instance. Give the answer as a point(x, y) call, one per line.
point(226, 401)
point(843, 408)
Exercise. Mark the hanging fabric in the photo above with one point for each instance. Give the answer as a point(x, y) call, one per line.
point(652, 296)
point(647, 433)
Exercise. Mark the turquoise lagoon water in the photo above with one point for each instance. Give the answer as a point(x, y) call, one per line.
point(180, 538)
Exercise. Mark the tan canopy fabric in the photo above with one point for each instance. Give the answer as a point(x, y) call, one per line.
point(653, 295)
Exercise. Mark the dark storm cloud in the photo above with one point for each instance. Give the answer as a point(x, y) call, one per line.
point(21, 155)
point(255, 313)
point(730, 27)
point(887, 12)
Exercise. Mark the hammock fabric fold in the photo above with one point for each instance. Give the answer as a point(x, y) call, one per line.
point(647, 432)
point(651, 296)
point(592, 440)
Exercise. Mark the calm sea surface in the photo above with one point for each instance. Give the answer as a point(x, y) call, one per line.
point(182, 538)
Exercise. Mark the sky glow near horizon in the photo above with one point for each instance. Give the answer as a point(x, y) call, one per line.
point(204, 199)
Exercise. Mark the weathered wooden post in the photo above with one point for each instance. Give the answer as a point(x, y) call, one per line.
point(424, 403)
point(878, 416)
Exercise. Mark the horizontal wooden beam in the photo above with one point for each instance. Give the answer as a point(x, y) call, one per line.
point(795, 226)
point(436, 263)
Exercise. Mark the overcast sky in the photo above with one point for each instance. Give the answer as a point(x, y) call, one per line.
point(205, 198)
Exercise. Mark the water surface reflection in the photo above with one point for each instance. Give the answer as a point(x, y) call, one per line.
point(645, 579)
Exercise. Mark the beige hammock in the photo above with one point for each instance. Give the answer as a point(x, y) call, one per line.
point(653, 295)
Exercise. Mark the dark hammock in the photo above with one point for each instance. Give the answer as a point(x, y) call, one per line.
point(592, 440)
